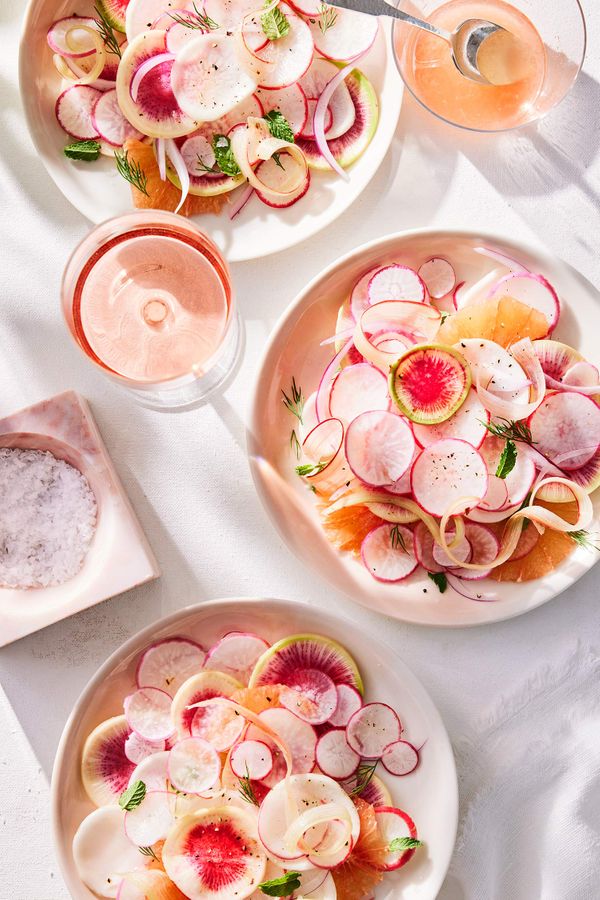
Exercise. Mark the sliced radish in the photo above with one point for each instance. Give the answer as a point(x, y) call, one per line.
point(153, 771)
point(417, 321)
point(395, 823)
point(350, 34)
point(429, 383)
point(463, 551)
point(397, 283)
point(496, 496)
point(424, 545)
point(348, 702)
point(167, 664)
point(289, 57)
point(359, 298)
point(447, 473)
point(217, 725)
point(356, 390)
point(566, 429)
point(308, 131)
point(527, 541)
point(311, 695)
point(138, 748)
point(379, 447)
point(402, 485)
point(236, 654)
point(467, 424)
point(486, 517)
point(141, 15)
point(151, 820)
point(438, 275)
point(103, 853)
point(105, 768)
point(341, 108)
point(194, 766)
point(335, 757)
point(109, 121)
point(375, 792)
point(70, 37)
point(518, 482)
point(582, 374)
point(148, 713)
point(74, 109)
point(372, 728)
point(513, 264)
point(383, 553)
point(251, 759)
point(400, 758)
point(276, 178)
point(204, 686)
point(484, 548)
point(291, 102)
point(532, 289)
point(298, 735)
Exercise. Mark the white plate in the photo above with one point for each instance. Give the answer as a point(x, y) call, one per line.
point(294, 349)
point(99, 192)
point(429, 795)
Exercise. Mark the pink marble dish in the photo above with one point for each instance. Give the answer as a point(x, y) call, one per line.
point(119, 556)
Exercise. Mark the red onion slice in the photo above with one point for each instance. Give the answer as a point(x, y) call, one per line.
point(174, 154)
point(321, 111)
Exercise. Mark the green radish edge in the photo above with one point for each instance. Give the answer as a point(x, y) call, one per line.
point(453, 404)
point(114, 10)
point(268, 655)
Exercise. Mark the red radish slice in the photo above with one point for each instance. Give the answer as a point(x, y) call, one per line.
point(71, 41)
point(424, 546)
point(350, 35)
point(138, 748)
point(438, 275)
point(276, 178)
point(395, 823)
point(397, 283)
point(566, 429)
point(486, 517)
point(379, 447)
point(105, 769)
point(236, 654)
point(400, 758)
point(311, 695)
point(527, 541)
point(348, 702)
point(74, 109)
point(217, 725)
point(384, 556)
point(151, 820)
point(308, 131)
point(335, 757)
point(324, 441)
point(194, 765)
point(402, 485)
point(358, 389)
point(485, 547)
point(496, 495)
point(109, 121)
point(148, 713)
point(298, 735)
point(359, 298)
point(533, 290)
point(340, 107)
point(463, 551)
point(251, 759)
point(291, 102)
point(198, 153)
point(289, 57)
point(446, 473)
point(308, 7)
point(372, 729)
point(167, 664)
point(467, 424)
point(102, 852)
point(519, 481)
point(153, 771)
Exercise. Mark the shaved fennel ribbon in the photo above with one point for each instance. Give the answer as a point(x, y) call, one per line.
point(159, 147)
point(71, 69)
point(254, 141)
point(587, 390)
point(174, 154)
point(319, 815)
point(525, 355)
point(418, 318)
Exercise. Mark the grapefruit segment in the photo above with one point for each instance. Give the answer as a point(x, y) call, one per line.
point(348, 527)
point(504, 321)
point(551, 548)
point(359, 875)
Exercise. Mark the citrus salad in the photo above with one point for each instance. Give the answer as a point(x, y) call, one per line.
point(195, 98)
point(245, 771)
point(450, 431)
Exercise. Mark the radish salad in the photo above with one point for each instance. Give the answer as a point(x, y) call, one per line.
point(450, 431)
point(247, 770)
point(231, 93)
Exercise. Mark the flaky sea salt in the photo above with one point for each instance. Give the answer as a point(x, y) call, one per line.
point(47, 519)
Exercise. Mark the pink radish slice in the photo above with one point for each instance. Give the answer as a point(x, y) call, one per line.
point(383, 555)
point(402, 485)
point(395, 823)
point(350, 35)
point(288, 57)
point(197, 153)
point(348, 702)
point(372, 729)
point(519, 481)
point(275, 177)
point(297, 734)
point(322, 449)
point(148, 713)
point(102, 852)
point(291, 102)
point(396, 283)
point(74, 109)
point(251, 759)
point(169, 663)
point(496, 495)
point(486, 517)
point(527, 541)
point(566, 426)
point(424, 546)
point(400, 758)
point(340, 106)
point(308, 132)
point(359, 298)
point(217, 725)
point(582, 374)
point(311, 695)
point(236, 654)
point(533, 290)
point(467, 424)
point(109, 121)
point(151, 820)
point(358, 389)
point(65, 38)
point(379, 447)
point(194, 765)
point(438, 275)
point(138, 748)
point(463, 551)
point(485, 547)
point(153, 771)
point(335, 757)
point(447, 472)
point(324, 389)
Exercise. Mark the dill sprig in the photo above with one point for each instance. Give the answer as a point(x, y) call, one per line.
point(107, 32)
point(397, 539)
point(584, 539)
point(196, 19)
point(131, 171)
point(295, 444)
point(364, 774)
point(327, 17)
point(294, 402)
point(202, 167)
point(148, 851)
point(510, 431)
point(247, 790)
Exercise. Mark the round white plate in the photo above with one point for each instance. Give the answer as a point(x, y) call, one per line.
point(429, 794)
point(98, 191)
point(293, 350)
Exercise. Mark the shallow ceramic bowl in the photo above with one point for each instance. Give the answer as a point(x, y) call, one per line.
point(293, 350)
point(429, 794)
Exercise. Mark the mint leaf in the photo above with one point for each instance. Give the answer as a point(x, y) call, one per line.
point(224, 157)
point(440, 579)
point(508, 459)
point(309, 469)
point(404, 843)
point(279, 126)
point(133, 796)
point(281, 887)
point(275, 25)
point(86, 150)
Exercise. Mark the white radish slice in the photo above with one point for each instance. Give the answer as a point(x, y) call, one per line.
point(335, 757)
point(350, 35)
point(71, 41)
point(384, 556)
point(424, 545)
point(105, 769)
point(207, 78)
point(485, 547)
point(400, 758)
point(463, 551)
point(217, 725)
point(194, 766)
point(308, 131)
point(532, 289)
point(395, 823)
point(141, 15)
point(359, 298)
point(402, 485)
point(169, 663)
point(74, 109)
point(372, 729)
point(109, 121)
point(348, 702)
point(439, 276)
point(379, 447)
point(287, 58)
point(151, 820)
point(566, 429)
point(340, 107)
point(291, 102)
point(397, 282)
point(236, 654)
point(494, 366)
point(582, 374)
point(138, 748)
point(358, 389)
point(446, 473)
point(148, 713)
point(467, 424)
point(299, 736)
point(309, 694)
point(103, 853)
point(251, 759)
point(179, 35)
point(496, 495)
point(204, 686)
point(153, 771)
point(519, 481)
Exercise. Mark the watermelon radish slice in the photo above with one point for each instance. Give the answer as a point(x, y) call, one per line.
point(496, 496)
point(151, 820)
point(109, 121)
point(396, 282)
point(379, 447)
point(395, 823)
point(375, 792)
point(351, 34)
point(148, 713)
point(533, 290)
point(288, 58)
point(215, 853)
point(467, 424)
point(204, 686)
point(218, 725)
point(167, 664)
point(446, 474)
point(67, 37)
point(348, 702)
point(372, 729)
point(358, 389)
point(138, 748)
point(306, 651)
point(429, 383)
point(383, 553)
point(400, 758)
point(582, 374)
point(439, 276)
point(311, 695)
point(566, 429)
point(105, 769)
point(74, 108)
point(103, 853)
point(115, 12)
point(341, 106)
point(484, 546)
point(335, 757)
point(194, 766)
point(519, 481)
point(153, 771)
point(291, 102)
point(236, 654)
point(296, 733)
point(251, 759)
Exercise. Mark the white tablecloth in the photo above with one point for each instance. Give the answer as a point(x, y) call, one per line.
point(188, 478)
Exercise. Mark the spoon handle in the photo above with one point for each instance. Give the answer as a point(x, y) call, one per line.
point(383, 8)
